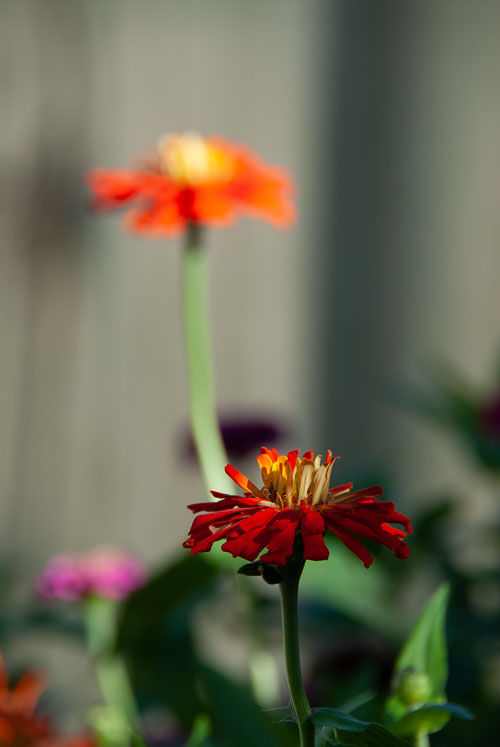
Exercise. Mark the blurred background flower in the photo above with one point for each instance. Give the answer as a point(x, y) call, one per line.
point(194, 179)
point(243, 434)
point(20, 726)
point(105, 572)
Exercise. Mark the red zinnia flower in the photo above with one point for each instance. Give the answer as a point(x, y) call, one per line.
point(191, 179)
point(295, 497)
point(19, 725)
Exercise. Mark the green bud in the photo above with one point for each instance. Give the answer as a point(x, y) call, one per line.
point(412, 688)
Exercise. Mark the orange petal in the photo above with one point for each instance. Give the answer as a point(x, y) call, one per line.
point(25, 694)
point(244, 483)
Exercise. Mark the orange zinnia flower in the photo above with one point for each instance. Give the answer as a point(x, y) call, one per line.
point(191, 179)
point(19, 725)
point(295, 498)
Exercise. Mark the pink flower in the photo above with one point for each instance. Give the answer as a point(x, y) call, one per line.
point(105, 571)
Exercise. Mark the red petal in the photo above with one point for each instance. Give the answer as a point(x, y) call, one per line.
point(340, 489)
point(111, 188)
point(369, 531)
point(212, 205)
point(264, 193)
point(272, 453)
point(313, 528)
point(367, 523)
point(222, 517)
point(7, 733)
point(292, 458)
point(280, 546)
point(255, 534)
point(393, 530)
point(350, 542)
point(371, 512)
point(374, 491)
point(205, 544)
point(229, 501)
point(162, 218)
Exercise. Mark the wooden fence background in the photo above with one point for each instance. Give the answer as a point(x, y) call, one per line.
point(389, 116)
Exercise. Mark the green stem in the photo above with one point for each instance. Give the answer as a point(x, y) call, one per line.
point(204, 423)
point(100, 621)
point(421, 739)
point(289, 588)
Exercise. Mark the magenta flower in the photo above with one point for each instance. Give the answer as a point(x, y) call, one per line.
point(105, 571)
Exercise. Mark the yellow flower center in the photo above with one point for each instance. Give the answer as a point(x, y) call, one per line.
point(308, 480)
point(190, 160)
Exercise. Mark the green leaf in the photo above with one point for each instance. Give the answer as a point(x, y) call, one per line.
point(200, 731)
point(425, 651)
point(250, 569)
point(352, 731)
point(374, 735)
point(112, 728)
point(430, 718)
point(454, 709)
point(137, 741)
point(337, 719)
point(269, 573)
point(418, 702)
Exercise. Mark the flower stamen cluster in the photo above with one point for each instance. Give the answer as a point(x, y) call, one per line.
point(289, 480)
point(189, 159)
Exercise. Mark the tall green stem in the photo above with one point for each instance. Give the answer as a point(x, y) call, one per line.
point(100, 621)
point(421, 739)
point(204, 423)
point(289, 588)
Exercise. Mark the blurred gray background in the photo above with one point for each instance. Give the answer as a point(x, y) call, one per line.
point(388, 115)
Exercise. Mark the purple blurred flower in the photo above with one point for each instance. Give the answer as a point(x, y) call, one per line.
point(243, 434)
point(105, 571)
point(490, 417)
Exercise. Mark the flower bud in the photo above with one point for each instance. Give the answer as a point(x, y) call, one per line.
point(412, 688)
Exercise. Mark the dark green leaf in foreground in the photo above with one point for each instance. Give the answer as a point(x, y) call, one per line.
point(352, 731)
point(154, 637)
point(170, 588)
point(168, 670)
point(236, 717)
